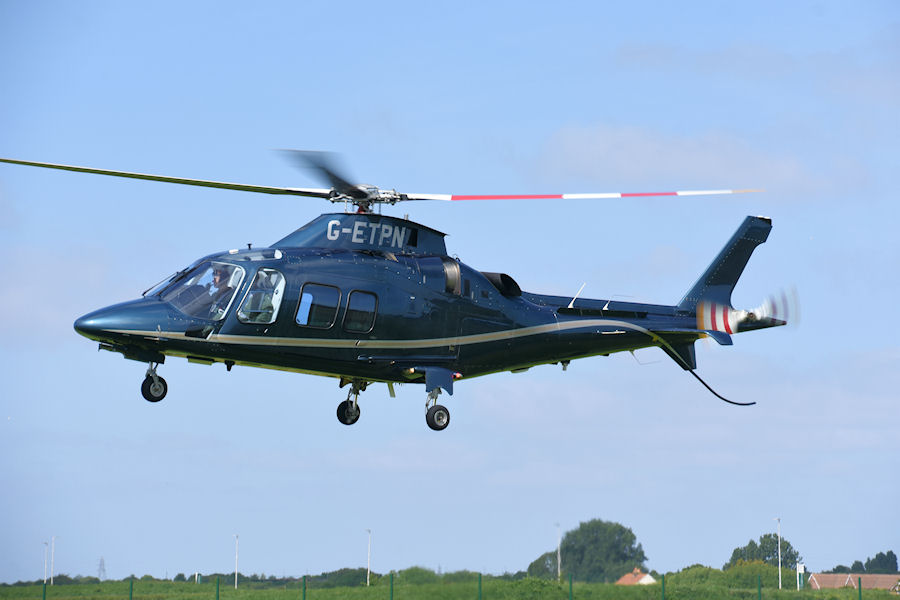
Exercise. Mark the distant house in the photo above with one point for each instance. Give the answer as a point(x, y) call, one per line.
point(820, 581)
point(636, 577)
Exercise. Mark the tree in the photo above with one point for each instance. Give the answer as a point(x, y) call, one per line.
point(543, 566)
point(766, 551)
point(596, 551)
point(418, 576)
point(882, 563)
point(857, 567)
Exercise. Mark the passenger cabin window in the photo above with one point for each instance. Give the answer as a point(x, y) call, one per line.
point(360, 317)
point(318, 305)
point(206, 291)
point(263, 299)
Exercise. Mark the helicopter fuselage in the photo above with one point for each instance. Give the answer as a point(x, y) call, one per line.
point(422, 311)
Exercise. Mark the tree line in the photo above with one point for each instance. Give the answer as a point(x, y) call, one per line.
point(596, 551)
point(882, 563)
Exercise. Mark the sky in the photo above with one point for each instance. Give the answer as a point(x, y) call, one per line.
point(798, 98)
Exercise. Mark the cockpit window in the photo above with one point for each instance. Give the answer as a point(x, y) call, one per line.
point(263, 299)
point(206, 290)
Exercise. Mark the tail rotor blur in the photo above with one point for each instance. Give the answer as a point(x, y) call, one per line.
point(782, 306)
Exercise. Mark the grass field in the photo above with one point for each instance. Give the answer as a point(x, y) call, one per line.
point(491, 589)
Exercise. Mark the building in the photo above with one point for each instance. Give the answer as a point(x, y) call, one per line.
point(636, 577)
point(820, 581)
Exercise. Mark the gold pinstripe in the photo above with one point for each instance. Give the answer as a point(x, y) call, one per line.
point(464, 340)
point(406, 344)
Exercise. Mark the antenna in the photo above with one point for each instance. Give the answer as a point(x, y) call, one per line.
point(578, 293)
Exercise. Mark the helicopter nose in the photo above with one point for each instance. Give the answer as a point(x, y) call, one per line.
point(94, 325)
point(124, 322)
point(114, 322)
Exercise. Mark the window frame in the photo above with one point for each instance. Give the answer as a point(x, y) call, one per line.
point(337, 307)
point(347, 312)
point(276, 310)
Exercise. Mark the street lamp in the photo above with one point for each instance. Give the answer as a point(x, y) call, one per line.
point(369, 557)
point(52, 552)
point(45, 562)
point(779, 551)
point(235, 560)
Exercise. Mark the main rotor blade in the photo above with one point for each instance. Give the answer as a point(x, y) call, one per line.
point(324, 164)
point(321, 162)
point(589, 196)
point(309, 192)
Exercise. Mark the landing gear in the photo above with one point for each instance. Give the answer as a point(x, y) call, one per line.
point(154, 387)
point(437, 416)
point(348, 411)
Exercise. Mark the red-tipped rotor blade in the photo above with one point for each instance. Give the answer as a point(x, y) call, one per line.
point(589, 196)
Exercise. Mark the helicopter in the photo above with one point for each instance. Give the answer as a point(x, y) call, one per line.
point(368, 298)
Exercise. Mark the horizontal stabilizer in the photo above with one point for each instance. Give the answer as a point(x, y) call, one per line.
point(722, 338)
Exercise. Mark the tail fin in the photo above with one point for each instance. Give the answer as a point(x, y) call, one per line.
point(718, 281)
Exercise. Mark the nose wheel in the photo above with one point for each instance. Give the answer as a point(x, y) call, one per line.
point(348, 412)
point(154, 387)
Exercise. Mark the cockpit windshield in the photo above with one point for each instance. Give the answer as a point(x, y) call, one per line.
point(206, 291)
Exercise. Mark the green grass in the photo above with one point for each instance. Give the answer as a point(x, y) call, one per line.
point(492, 589)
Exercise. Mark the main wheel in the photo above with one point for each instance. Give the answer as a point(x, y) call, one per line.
point(154, 390)
point(438, 417)
point(346, 414)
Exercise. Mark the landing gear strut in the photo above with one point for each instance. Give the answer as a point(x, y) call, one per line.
point(154, 387)
point(348, 410)
point(437, 416)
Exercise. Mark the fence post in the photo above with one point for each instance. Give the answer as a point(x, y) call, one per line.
point(479, 586)
point(859, 586)
point(44, 593)
point(217, 588)
point(570, 586)
point(663, 586)
point(392, 585)
point(131, 588)
point(759, 587)
point(304, 587)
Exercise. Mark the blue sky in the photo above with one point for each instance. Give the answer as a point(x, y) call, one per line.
point(800, 99)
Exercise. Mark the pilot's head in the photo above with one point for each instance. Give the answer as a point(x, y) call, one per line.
point(220, 277)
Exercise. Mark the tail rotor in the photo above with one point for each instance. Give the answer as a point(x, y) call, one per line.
point(782, 306)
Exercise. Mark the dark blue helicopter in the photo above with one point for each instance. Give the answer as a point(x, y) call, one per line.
point(365, 298)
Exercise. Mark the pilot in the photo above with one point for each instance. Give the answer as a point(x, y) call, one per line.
point(221, 293)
